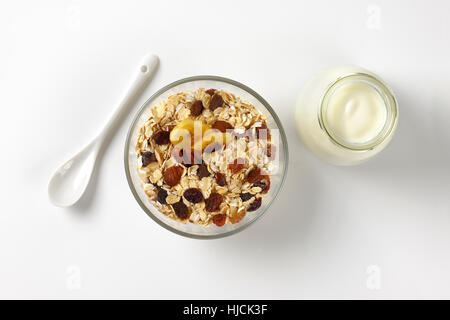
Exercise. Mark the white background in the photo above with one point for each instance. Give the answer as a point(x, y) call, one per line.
point(332, 233)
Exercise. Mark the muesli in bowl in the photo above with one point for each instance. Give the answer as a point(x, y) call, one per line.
point(205, 156)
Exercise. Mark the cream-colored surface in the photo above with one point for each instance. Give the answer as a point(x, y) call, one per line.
point(356, 113)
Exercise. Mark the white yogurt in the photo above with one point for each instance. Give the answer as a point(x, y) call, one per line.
point(346, 115)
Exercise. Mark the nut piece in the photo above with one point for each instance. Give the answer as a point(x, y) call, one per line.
point(172, 175)
point(220, 219)
point(162, 137)
point(193, 195)
point(216, 102)
point(212, 204)
point(197, 108)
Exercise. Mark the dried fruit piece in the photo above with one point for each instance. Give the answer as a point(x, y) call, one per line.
point(246, 196)
point(255, 205)
point(216, 102)
point(222, 126)
point(237, 165)
point(267, 186)
point(255, 175)
point(147, 158)
point(181, 210)
point(193, 195)
point(188, 161)
point(237, 216)
point(264, 185)
point(260, 184)
point(172, 175)
point(220, 219)
point(197, 108)
point(213, 202)
point(161, 137)
point(162, 195)
point(270, 150)
point(220, 179)
point(210, 91)
point(203, 171)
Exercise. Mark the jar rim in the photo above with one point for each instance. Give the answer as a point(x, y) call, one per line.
point(388, 98)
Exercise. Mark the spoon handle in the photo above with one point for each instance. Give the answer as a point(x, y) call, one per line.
point(144, 74)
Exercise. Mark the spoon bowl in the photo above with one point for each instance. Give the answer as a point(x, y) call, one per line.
point(69, 182)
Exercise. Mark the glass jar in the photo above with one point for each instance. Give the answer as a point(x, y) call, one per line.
point(346, 115)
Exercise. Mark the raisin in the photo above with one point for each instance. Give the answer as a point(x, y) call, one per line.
point(193, 195)
point(237, 165)
point(255, 205)
point(222, 126)
point(162, 195)
point(246, 196)
point(162, 137)
point(269, 152)
point(172, 175)
point(261, 185)
point(210, 91)
point(220, 179)
point(197, 108)
point(212, 147)
point(185, 159)
point(203, 171)
point(147, 158)
point(181, 210)
point(255, 175)
point(264, 185)
point(213, 202)
point(216, 102)
point(220, 219)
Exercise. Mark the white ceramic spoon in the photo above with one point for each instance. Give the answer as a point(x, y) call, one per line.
point(71, 180)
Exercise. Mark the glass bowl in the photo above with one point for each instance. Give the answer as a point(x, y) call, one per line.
point(190, 84)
